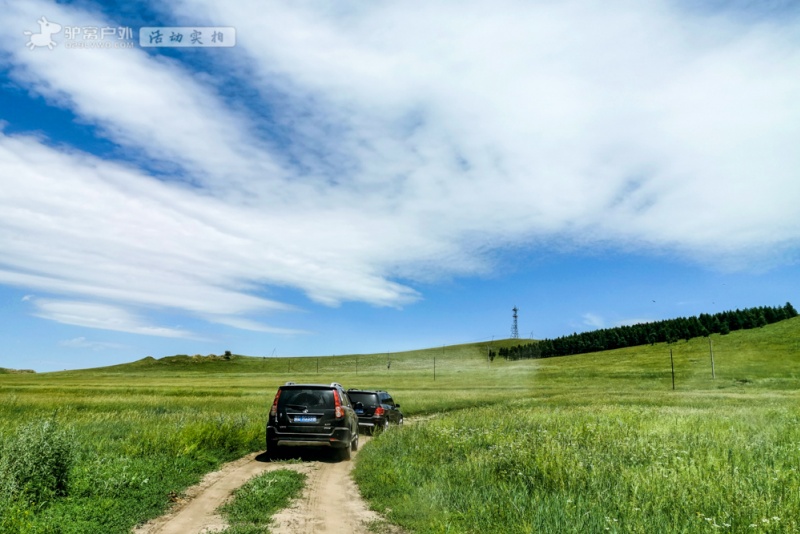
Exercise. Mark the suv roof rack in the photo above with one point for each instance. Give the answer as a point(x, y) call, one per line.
point(289, 384)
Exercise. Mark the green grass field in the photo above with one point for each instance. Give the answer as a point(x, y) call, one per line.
point(591, 443)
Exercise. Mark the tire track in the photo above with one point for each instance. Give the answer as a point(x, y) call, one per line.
point(329, 504)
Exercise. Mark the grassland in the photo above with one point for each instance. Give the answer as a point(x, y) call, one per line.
point(602, 443)
point(590, 443)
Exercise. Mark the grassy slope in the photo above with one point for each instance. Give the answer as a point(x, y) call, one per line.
point(135, 421)
point(601, 442)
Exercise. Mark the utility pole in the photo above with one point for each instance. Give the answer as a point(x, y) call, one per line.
point(672, 363)
point(711, 351)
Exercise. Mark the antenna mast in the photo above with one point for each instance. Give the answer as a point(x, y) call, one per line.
point(514, 329)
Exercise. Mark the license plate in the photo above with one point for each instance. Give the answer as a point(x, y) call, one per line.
point(359, 412)
point(305, 419)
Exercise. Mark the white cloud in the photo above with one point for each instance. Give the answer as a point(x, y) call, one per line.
point(412, 141)
point(83, 343)
point(247, 324)
point(593, 320)
point(635, 125)
point(140, 101)
point(101, 316)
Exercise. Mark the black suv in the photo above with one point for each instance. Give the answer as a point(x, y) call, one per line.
point(312, 415)
point(375, 409)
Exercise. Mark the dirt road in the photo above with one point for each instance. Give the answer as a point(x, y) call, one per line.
point(330, 502)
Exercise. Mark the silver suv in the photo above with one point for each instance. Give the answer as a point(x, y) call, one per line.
point(312, 415)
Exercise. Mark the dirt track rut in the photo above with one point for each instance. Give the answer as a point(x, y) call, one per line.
point(330, 502)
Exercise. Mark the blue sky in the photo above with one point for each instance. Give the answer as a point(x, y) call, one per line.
point(357, 177)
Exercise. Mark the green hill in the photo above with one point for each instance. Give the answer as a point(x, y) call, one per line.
point(4, 371)
point(468, 354)
point(768, 350)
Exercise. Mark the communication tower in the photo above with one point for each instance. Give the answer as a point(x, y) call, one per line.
point(514, 329)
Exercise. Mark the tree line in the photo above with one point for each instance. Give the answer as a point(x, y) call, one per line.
point(670, 331)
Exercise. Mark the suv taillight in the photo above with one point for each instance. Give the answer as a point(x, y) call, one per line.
point(338, 411)
point(274, 410)
point(379, 410)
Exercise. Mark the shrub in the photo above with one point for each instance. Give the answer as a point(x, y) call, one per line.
point(36, 461)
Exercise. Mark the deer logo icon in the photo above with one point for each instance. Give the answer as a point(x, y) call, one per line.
point(43, 38)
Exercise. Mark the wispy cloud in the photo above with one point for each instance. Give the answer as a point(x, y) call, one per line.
point(355, 159)
point(247, 324)
point(83, 343)
point(101, 316)
point(593, 320)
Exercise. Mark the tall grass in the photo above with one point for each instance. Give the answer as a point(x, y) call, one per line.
point(601, 443)
point(129, 455)
point(541, 468)
point(36, 462)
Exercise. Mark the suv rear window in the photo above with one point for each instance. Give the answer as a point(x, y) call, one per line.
point(367, 399)
point(306, 399)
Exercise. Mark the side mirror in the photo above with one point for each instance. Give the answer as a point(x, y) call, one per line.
point(396, 405)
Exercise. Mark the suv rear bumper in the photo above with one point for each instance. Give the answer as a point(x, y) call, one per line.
point(339, 438)
point(371, 422)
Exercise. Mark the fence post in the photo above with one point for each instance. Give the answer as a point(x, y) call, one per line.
point(711, 351)
point(672, 364)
